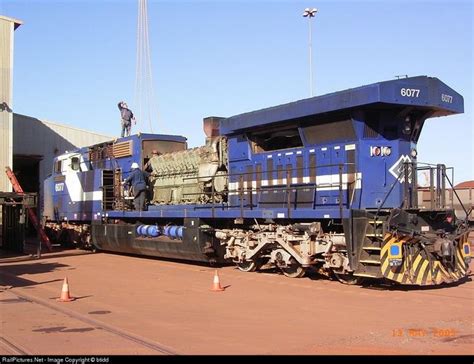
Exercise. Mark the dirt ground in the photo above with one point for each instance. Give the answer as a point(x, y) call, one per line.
point(132, 305)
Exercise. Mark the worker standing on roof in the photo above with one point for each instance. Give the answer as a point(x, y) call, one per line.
point(127, 117)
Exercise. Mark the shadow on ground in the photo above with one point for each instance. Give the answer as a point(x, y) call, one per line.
point(9, 257)
point(10, 274)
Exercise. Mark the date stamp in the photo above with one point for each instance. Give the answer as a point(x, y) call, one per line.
point(417, 332)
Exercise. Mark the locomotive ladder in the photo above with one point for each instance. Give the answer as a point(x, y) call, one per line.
point(34, 219)
point(369, 262)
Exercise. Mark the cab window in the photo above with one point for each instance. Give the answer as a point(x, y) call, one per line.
point(75, 163)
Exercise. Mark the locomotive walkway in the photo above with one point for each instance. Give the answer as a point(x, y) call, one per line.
point(132, 305)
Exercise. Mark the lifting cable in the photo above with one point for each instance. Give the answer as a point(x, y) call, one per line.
point(144, 93)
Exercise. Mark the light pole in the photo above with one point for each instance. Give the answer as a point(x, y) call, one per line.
point(310, 13)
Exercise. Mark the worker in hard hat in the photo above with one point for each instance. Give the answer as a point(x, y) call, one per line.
point(137, 180)
point(126, 118)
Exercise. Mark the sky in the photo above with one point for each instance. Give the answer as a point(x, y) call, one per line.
point(75, 60)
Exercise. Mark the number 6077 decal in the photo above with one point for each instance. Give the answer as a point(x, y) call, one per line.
point(410, 92)
point(447, 98)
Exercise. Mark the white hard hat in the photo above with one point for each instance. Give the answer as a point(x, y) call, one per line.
point(134, 165)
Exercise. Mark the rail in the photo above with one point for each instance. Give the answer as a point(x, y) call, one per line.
point(290, 190)
point(286, 188)
point(247, 190)
point(438, 181)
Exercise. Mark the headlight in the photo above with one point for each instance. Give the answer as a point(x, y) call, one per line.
point(413, 153)
point(379, 151)
point(407, 126)
point(375, 151)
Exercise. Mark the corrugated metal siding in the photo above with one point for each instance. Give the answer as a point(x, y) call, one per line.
point(6, 60)
point(32, 136)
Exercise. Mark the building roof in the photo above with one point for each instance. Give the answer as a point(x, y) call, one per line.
point(465, 184)
point(53, 123)
point(15, 21)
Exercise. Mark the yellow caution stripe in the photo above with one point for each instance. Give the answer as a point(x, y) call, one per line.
point(420, 267)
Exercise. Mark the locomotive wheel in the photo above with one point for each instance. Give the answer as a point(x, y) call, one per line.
point(293, 271)
point(349, 279)
point(247, 266)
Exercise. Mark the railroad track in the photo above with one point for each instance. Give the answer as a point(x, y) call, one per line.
point(11, 348)
point(159, 348)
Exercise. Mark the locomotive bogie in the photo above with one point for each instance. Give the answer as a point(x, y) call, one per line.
point(69, 234)
point(285, 247)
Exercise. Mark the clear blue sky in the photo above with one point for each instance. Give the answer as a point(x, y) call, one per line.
point(74, 60)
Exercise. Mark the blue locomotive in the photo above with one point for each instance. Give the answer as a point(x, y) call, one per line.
point(328, 183)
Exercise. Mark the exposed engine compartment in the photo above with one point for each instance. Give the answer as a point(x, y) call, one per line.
point(196, 175)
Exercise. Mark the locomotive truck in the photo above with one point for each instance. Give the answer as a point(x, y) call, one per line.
point(327, 183)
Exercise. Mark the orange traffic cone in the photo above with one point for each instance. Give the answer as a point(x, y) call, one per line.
point(216, 285)
point(65, 296)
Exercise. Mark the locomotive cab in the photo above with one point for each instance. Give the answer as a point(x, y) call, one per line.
point(67, 197)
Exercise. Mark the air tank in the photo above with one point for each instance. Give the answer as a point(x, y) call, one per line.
point(151, 231)
point(174, 231)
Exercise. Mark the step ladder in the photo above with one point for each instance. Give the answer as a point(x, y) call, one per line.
point(33, 218)
point(369, 263)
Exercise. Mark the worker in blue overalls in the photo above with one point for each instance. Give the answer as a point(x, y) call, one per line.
point(137, 180)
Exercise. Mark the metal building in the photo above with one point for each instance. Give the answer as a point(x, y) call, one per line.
point(7, 28)
point(36, 142)
point(27, 145)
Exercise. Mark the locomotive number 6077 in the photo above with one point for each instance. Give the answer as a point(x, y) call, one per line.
point(326, 183)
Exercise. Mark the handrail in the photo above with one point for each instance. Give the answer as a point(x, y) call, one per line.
point(284, 185)
point(437, 185)
point(285, 188)
point(462, 205)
